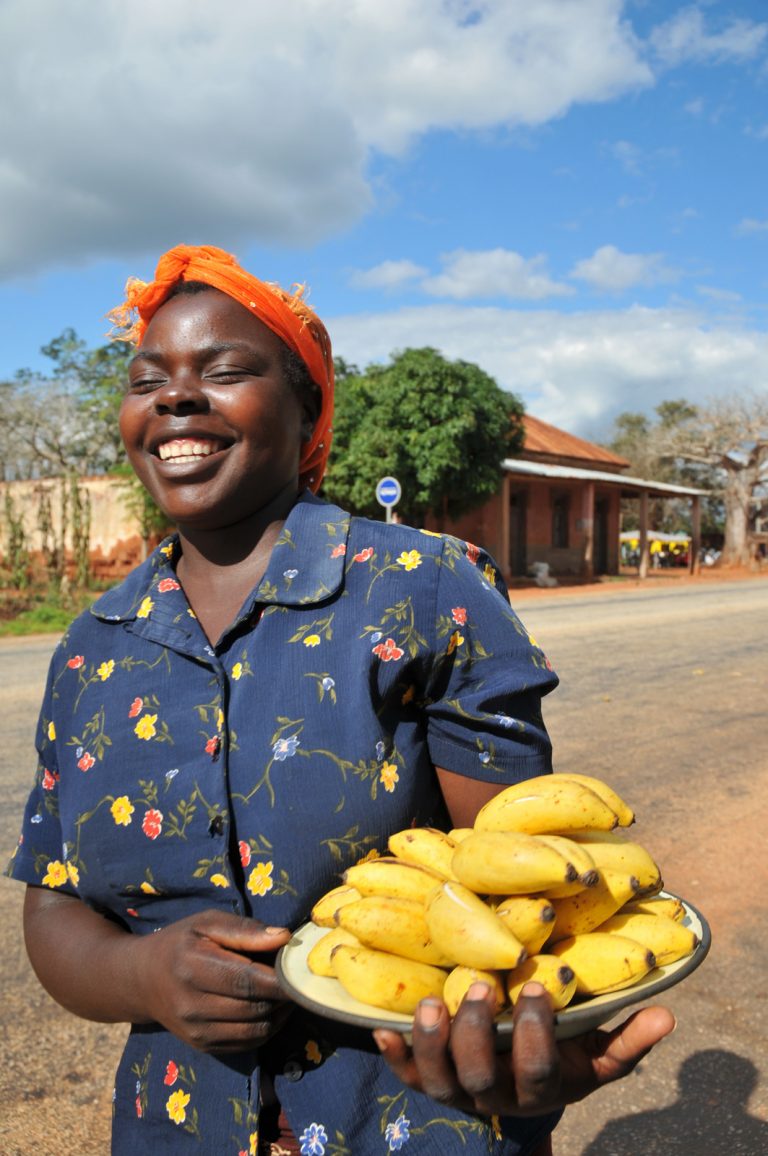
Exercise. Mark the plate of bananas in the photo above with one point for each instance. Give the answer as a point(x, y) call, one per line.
point(543, 887)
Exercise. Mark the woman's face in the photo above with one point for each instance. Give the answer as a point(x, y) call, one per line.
point(209, 423)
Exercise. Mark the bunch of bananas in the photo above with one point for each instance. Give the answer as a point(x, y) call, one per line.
point(541, 888)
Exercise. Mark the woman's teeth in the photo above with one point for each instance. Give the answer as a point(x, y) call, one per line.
point(186, 450)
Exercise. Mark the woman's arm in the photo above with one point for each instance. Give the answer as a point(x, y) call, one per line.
point(197, 977)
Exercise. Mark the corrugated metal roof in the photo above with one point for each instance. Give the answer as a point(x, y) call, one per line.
point(574, 473)
point(547, 440)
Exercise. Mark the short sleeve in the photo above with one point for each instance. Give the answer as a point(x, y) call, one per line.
point(40, 858)
point(484, 697)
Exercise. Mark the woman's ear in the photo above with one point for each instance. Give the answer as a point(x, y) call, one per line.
point(311, 404)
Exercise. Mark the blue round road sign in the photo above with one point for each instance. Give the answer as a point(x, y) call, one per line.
point(388, 492)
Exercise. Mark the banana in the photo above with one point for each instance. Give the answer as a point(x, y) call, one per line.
point(426, 847)
point(584, 912)
point(667, 939)
point(460, 980)
point(384, 980)
point(626, 815)
point(580, 859)
point(390, 876)
point(466, 929)
point(668, 905)
point(319, 957)
point(459, 834)
point(529, 917)
point(508, 863)
point(555, 977)
point(619, 854)
point(601, 962)
point(398, 926)
point(548, 803)
point(327, 905)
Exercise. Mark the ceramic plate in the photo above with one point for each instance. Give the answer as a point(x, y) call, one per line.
point(326, 997)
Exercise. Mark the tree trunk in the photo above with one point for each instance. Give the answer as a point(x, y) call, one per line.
point(738, 491)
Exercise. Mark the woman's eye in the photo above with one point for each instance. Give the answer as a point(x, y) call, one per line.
point(143, 384)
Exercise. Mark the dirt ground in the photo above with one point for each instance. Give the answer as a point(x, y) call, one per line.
point(662, 693)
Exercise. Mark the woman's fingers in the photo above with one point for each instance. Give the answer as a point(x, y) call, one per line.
point(619, 1051)
point(535, 1055)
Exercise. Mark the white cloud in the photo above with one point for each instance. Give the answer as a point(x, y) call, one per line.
point(726, 296)
point(577, 370)
point(610, 270)
point(748, 226)
point(685, 37)
point(493, 273)
point(125, 130)
point(387, 275)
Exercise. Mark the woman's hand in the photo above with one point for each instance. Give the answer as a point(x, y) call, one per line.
point(201, 981)
point(455, 1062)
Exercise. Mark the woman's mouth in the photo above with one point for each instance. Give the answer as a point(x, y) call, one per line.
point(188, 449)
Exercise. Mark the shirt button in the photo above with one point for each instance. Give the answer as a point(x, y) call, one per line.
point(216, 825)
point(293, 1071)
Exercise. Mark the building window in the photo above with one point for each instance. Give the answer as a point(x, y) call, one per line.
point(560, 518)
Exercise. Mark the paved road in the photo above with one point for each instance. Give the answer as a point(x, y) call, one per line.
point(662, 694)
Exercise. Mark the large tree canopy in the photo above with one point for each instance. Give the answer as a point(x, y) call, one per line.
point(440, 427)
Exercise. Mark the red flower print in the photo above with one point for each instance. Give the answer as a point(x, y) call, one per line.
point(152, 823)
point(171, 1074)
point(364, 555)
point(50, 780)
point(86, 762)
point(166, 584)
point(459, 615)
point(245, 852)
point(136, 706)
point(132, 911)
point(76, 662)
point(388, 651)
point(212, 746)
point(139, 1112)
point(472, 552)
point(339, 551)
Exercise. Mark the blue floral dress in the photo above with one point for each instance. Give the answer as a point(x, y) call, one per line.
point(176, 776)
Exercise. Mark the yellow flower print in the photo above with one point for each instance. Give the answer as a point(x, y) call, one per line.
point(489, 573)
point(177, 1106)
point(312, 640)
point(372, 854)
point(73, 873)
point(51, 732)
point(389, 777)
point(455, 640)
point(260, 880)
point(219, 880)
point(312, 1052)
point(237, 671)
point(410, 559)
point(533, 641)
point(496, 1126)
point(122, 809)
point(167, 550)
point(191, 612)
point(145, 728)
point(254, 1144)
point(105, 670)
point(146, 608)
point(219, 719)
point(148, 889)
point(56, 875)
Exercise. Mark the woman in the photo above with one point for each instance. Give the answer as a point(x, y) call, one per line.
point(255, 708)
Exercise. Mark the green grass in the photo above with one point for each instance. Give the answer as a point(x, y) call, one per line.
point(46, 615)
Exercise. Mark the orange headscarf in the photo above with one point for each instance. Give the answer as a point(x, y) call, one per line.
point(286, 314)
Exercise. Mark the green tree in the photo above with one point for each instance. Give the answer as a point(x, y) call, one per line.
point(440, 427)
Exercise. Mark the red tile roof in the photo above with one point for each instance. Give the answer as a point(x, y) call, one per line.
point(545, 442)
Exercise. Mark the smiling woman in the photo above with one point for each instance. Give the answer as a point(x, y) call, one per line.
point(260, 705)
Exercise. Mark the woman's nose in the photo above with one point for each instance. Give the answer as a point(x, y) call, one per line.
point(181, 394)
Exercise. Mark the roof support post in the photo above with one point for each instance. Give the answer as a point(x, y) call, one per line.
point(506, 557)
point(642, 568)
point(588, 524)
point(693, 559)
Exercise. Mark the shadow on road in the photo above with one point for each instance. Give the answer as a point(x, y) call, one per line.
point(709, 1118)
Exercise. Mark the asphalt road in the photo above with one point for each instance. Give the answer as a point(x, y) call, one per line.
point(662, 694)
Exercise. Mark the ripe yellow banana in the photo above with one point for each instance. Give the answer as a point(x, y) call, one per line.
point(459, 834)
point(624, 812)
point(667, 939)
point(602, 962)
point(616, 853)
point(584, 912)
point(426, 847)
point(555, 977)
point(384, 980)
point(398, 926)
point(319, 957)
point(327, 905)
point(580, 859)
point(466, 929)
point(668, 905)
point(548, 803)
point(508, 863)
point(390, 876)
point(529, 917)
point(460, 980)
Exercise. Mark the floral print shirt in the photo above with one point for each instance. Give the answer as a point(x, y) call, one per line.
point(176, 776)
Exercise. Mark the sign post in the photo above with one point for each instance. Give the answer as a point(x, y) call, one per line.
point(388, 494)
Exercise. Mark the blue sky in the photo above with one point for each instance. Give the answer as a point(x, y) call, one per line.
point(571, 193)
